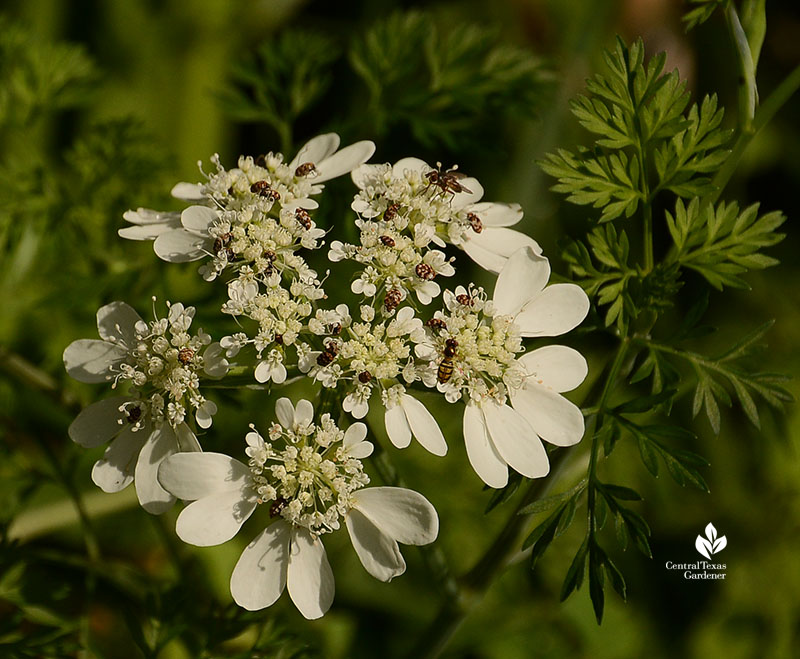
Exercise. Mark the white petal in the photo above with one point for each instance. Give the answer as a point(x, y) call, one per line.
point(116, 321)
point(304, 412)
point(410, 165)
point(188, 191)
point(309, 579)
point(158, 447)
point(115, 470)
point(89, 360)
point(187, 441)
point(515, 440)
point(146, 231)
point(355, 434)
point(191, 476)
point(99, 422)
point(523, 277)
point(344, 161)
point(198, 218)
point(214, 363)
point(145, 216)
point(474, 195)
point(553, 417)
point(284, 410)
point(205, 414)
point(423, 425)
point(180, 246)
point(493, 214)
point(216, 518)
point(378, 553)
point(557, 367)
point(397, 427)
point(558, 309)
point(316, 150)
point(491, 247)
point(260, 574)
point(404, 515)
point(483, 456)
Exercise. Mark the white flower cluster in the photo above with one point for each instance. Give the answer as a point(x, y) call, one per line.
point(317, 467)
point(307, 471)
point(249, 226)
point(163, 365)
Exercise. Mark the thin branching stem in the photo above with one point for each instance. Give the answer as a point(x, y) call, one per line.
point(471, 588)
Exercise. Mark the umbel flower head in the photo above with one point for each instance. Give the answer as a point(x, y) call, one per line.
point(432, 205)
point(309, 477)
point(161, 363)
point(473, 354)
point(248, 210)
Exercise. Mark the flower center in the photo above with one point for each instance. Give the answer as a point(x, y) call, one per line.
point(305, 474)
point(163, 364)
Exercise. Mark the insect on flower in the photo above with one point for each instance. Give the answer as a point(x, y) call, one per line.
point(185, 355)
point(391, 212)
point(475, 222)
point(388, 241)
point(392, 299)
point(263, 189)
point(329, 354)
point(437, 324)
point(305, 169)
point(303, 218)
point(447, 181)
point(445, 370)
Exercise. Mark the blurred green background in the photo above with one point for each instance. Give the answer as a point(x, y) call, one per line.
point(105, 105)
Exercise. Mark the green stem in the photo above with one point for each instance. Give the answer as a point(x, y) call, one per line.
point(748, 92)
point(768, 109)
point(477, 581)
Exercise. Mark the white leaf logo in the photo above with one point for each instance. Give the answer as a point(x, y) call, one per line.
point(711, 544)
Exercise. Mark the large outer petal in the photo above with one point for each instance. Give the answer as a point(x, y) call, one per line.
point(216, 518)
point(559, 368)
point(462, 199)
point(482, 454)
point(378, 553)
point(553, 417)
point(494, 214)
point(404, 515)
point(397, 427)
point(115, 470)
point(145, 231)
point(410, 164)
point(198, 218)
point(192, 476)
point(316, 149)
point(344, 161)
point(188, 191)
point(423, 425)
point(284, 410)
point(491, 247)
point(309, 579)
point(260, 574)
point(523, 277)
point(181, 246)
point(515, 440)
point(89, 360)
point(556, 310)
point(159, 446)
point(99, 422)
point(116, 321)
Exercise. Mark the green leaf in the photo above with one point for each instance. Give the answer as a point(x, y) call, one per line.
point(574, 577)
point(548, 503)
point(720, 242)
point(596, 581)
